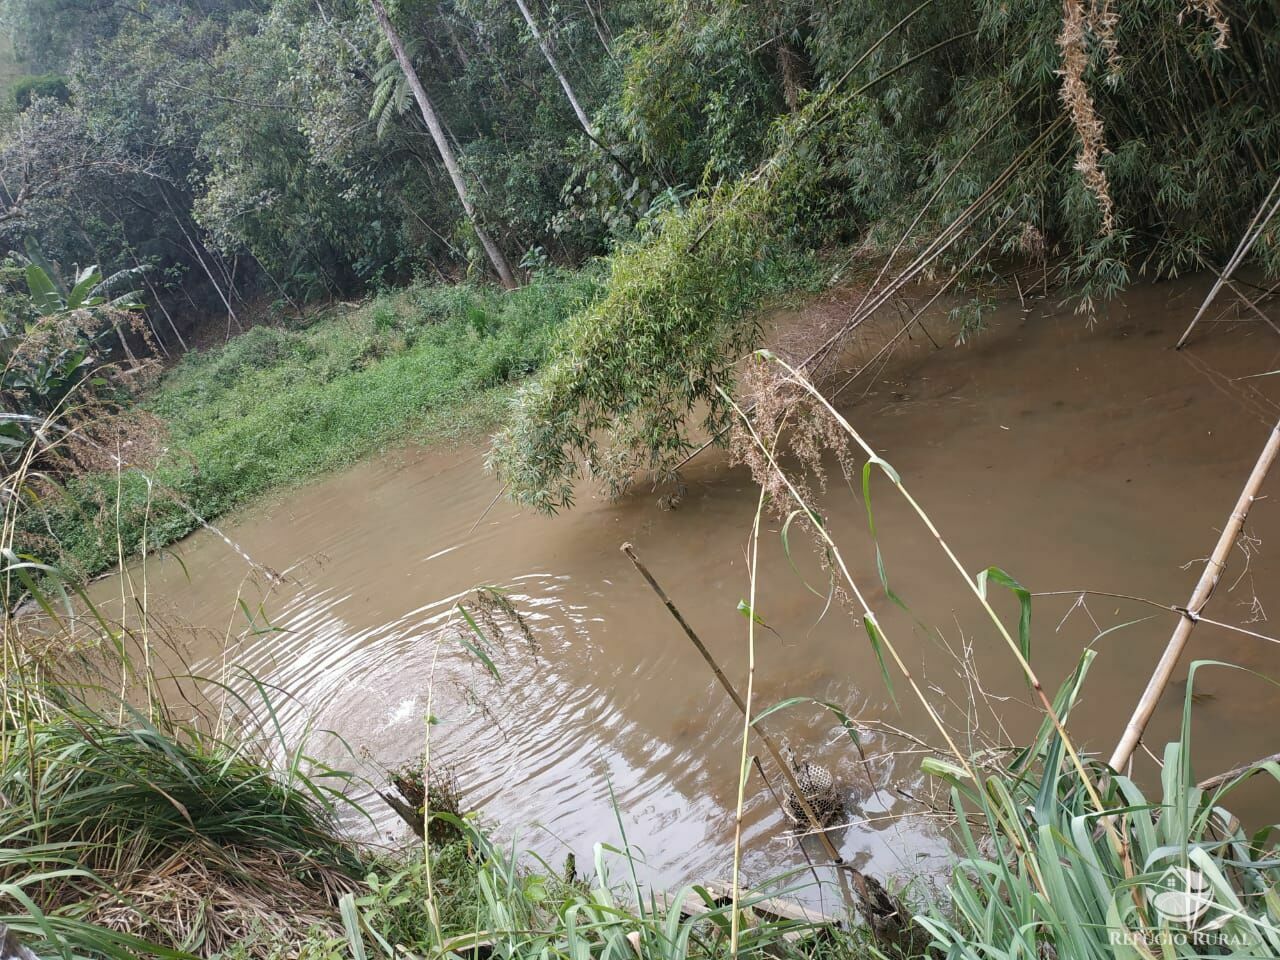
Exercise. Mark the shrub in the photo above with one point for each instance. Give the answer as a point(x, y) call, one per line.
point(50, 86)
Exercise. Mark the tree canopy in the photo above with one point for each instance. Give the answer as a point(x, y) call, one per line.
point(283, 149)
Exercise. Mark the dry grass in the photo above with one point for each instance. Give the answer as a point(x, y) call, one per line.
point(782, 411)
point(1211, 10)
point(189, 900)
point(128, 829)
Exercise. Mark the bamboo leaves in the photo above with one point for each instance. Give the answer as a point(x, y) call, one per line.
point(998, 576)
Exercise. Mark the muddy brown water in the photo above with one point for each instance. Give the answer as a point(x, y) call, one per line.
point(1071, 456)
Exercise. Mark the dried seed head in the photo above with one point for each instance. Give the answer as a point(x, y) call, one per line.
point(795, 434)
point(1078, 25)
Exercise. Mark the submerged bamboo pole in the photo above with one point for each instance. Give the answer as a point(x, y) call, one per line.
point(885, 914)
point(1190, 614)
point(741, 704)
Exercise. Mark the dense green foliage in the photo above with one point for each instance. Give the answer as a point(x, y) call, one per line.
point(50, 86)
point(679, 309)
point(1046, 869)
point(169, 789)
point(245, 149)
point(277, 150)
point(279, 405)
point(920, 118)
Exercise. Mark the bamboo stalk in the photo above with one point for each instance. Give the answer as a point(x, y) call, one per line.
point(545, 46)
point(971, 582)
point(1256, 226)
point(447, 156)
point(729, 688)
point(735, 922)
point(883, 912)
point(1199, 598)
point(741, 704)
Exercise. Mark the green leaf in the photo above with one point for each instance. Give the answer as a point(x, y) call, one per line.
point(477, 650)
point(351, 924)
point(1024, 602)
point(86, 280)
point(850, 728)
point(744, 608)
point(871, 526)
point(786, 548)
point(877, 645)
point(945, 769)
point(44, 296)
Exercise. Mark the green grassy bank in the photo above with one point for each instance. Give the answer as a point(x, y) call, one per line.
point(287, 401)
point(281, 404)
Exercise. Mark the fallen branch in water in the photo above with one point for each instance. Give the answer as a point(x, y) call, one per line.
point(1256, 228)
point(741, 704)
point(883, 912)
point(413, 818)
point(1171, 607)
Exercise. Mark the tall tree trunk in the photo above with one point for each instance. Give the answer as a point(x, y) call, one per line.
point(601, 27)
point(545, 47)
point(195, 248)
point(496, 258)
point(581, 114)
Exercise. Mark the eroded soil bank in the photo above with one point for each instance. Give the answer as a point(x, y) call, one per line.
point(1072, 456)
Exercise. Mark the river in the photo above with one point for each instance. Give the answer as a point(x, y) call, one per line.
point(1073, 456)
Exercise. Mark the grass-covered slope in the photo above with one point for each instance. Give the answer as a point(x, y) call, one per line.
point(278, 406)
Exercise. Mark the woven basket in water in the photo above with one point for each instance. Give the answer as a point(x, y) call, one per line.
point(819, 789)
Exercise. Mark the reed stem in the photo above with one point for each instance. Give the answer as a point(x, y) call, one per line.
point(741, 704)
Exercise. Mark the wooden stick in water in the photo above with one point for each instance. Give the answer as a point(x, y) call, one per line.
point(1254, 231)
point(1245, 768)
point(729, 688)
point(885, 914)
point(1191, 612)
